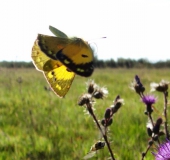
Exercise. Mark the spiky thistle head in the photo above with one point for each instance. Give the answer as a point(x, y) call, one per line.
point(149, 100)
point(163, 151)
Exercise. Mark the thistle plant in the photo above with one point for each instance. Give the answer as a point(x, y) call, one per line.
point(154, 127)
point(163, 152)
point(87, 100)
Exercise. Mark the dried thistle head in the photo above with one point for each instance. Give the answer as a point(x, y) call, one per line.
point(91, 86)
point(96, 91)
point(100, 93)
point(160, 87)
point(84, 99)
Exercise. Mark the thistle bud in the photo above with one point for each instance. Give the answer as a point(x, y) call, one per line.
point(108, 113)
point(137, 85)
point(156, 128)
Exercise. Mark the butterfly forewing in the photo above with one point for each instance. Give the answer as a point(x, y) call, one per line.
point(50, 45)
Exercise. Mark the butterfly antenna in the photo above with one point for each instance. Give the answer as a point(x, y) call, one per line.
point(95, 39)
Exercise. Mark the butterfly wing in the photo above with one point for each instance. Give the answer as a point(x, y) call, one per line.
point(57, 75)
point(50, 45)
point(60, 79)
point(74, 53)
point(78, 57)
point(57, 32)
point(39, 59)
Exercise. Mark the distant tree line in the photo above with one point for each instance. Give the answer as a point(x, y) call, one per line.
point(131, 63)
point(13, 64)
point(120, 63)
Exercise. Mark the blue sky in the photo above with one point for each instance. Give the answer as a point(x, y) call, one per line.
point(134, 28)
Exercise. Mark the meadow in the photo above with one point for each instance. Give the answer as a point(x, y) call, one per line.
point(35, 124)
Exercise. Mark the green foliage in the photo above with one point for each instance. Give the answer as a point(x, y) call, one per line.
point(6, 64)
point(120, 63)
point(35, 124)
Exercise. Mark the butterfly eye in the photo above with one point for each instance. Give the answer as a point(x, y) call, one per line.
point(83, 55)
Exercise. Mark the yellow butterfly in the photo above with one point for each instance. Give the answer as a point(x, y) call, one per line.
point(60, 58)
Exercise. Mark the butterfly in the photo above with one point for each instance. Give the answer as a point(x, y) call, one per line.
point(60, 58)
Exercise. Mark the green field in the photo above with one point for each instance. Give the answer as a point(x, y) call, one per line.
point(37, 125)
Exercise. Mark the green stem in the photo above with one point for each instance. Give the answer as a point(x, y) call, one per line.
point(89, 107)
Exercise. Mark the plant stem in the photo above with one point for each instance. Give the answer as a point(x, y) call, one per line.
point(150, 117)
point(144, 155)
point(165, 115)
point(89, 107)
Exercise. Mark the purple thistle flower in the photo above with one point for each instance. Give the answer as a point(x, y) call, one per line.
point(149, 99)
point(163, 151)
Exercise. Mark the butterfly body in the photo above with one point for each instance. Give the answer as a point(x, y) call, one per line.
point(60, 58)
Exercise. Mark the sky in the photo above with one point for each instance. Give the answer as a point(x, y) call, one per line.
point(134, 28)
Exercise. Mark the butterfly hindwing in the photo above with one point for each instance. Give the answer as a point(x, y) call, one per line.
point(57, 75)
point(39, 59)
point(60, 80)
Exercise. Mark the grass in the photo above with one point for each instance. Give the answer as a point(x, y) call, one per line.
point(37, 125)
